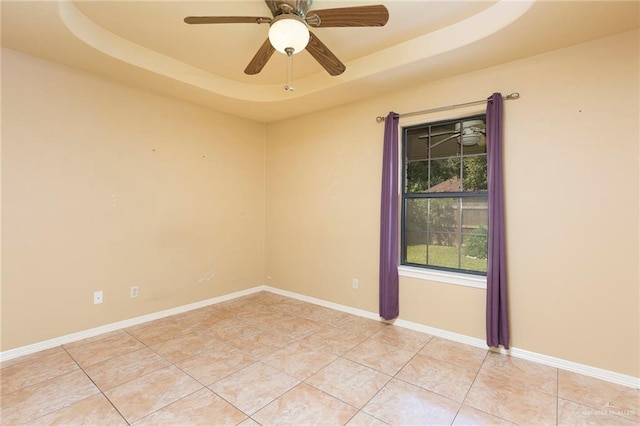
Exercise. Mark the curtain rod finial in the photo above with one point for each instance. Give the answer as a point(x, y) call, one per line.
point(379, 119)
point(514, 95)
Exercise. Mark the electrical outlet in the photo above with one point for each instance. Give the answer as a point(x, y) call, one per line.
point(133, 291)
point(97, 297)
point(355, 283)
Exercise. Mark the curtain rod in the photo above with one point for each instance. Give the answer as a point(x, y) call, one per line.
point(514, 95)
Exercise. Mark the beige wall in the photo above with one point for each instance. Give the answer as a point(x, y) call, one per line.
point(572, 197)
point(89, 205)
point(107, 187)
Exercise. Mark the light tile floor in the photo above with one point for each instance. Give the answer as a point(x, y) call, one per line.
point(266, 359)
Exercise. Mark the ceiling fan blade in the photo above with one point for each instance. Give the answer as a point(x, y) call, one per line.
point(260, 59)
point(444, 140)
point(324, 56)
point(357, 16)
point(226, 20)
point(273, 6)
point(425, 136)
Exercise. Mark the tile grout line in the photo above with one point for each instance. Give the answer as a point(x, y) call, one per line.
point(391, 377)
point(191, 376)
point(145, 346)
point(471, 386)
point(194, 378)
point(358, 410)
point(94, 384)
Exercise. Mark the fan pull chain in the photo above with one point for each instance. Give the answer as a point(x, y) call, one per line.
point(288, 84)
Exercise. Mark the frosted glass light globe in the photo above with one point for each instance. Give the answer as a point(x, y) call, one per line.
point(288, 31)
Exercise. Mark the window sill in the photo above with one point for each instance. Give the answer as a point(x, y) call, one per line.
point(466, 280)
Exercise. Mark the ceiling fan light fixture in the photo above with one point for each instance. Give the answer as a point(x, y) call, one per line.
point(473, 139)
point(288, 32)
point(472, 133)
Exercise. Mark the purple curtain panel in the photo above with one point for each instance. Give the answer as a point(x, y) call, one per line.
point(389, 292)
point(497, 307)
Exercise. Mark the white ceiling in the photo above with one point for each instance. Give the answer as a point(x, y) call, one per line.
point(147, 44)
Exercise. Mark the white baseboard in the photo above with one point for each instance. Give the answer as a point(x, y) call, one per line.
point(57, 341)
point(598, 373)
point(562, 364)
point(320, 302)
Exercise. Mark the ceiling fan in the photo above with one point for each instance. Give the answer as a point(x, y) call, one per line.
point(289, 29)
point(472, 133)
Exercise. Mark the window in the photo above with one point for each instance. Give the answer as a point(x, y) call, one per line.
point(444, 196)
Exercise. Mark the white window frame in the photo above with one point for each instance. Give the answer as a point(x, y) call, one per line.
point(446, 277)
point(425, 274)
